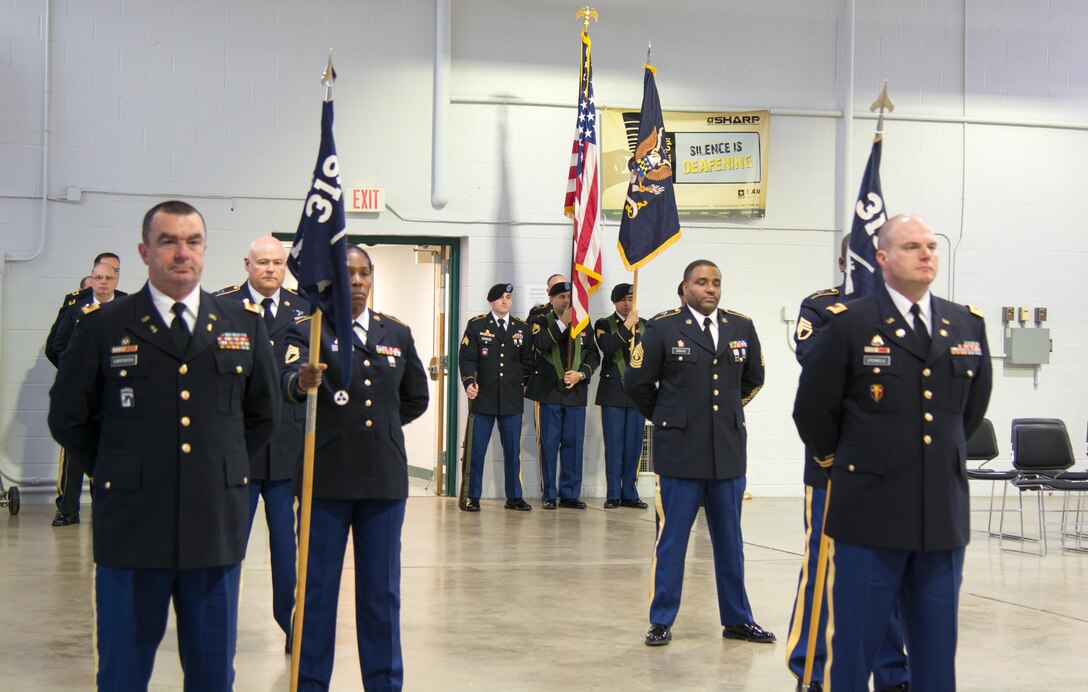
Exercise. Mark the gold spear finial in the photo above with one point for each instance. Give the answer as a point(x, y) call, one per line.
point(328, 77)
point(883, 102)
point(587, 13)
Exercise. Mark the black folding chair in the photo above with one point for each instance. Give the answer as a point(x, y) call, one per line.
point(982, 447)
point(1041, 451)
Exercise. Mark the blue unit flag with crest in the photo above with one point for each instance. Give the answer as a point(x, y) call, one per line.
point(318, 257)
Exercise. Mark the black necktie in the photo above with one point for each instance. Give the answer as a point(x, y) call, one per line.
point(920, 327)
point(179, 329)
point(709, 334)
point(502, 329)
point(269, 318)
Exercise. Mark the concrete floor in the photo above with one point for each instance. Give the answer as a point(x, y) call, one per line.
point(506, 600)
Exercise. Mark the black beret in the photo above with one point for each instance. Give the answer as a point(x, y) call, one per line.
point(497, 290)
point(561, 287)
point(621, 291)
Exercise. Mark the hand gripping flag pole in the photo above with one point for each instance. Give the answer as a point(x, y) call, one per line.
point(318, 260)
point(869, 216)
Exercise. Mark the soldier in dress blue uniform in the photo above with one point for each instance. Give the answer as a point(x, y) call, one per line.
point(621, 422)
point(360, 482)
point(691, 375)
point(167, 394)
point(495, 358)
point(104, 289)
point(272, 471)
point(79, 297)
point(890, 671)
point(891, 389)
point(559, 383)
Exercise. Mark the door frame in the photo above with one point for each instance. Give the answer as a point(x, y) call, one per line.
point(453, 330)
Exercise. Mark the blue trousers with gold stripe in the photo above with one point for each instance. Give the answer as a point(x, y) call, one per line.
point(132, 605)
point(865, 585)
point(562, 433)
point(678, 504)
point(623, 429)
point(510, 438)
point(279, 514)
point(890, 668)
point(375, 527)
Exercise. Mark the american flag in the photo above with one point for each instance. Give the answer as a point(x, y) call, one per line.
point(582, 203)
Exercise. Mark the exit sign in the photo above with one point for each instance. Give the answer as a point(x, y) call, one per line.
point(367, 199)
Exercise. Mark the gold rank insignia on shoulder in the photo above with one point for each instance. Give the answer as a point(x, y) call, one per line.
point(824, 294)
point(734, 312)
point(91, 307)
point(836, 309)
point(637, 356)
point(252, 307)
point(536, 328)
point(667, 313)
point(804, 329)
point(975, 311)
point(292, 354)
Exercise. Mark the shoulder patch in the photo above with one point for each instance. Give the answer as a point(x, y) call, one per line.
point(76, 293)
point(736, 314)
point(379, 315)
point(252, 307)
point(289, 290)
point(91, 307)
point(976, 312)
point(825, 293)
point(228, 290)
point(836, 309)
point(667, 313)
point(478, 317)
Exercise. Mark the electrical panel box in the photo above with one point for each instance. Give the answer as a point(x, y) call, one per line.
point(1027, 346)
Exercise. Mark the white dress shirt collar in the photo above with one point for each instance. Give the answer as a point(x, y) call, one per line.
point(165, 305)
point(903, 304)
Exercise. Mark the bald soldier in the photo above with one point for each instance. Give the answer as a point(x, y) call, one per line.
point(891, 389)
point(272, 470)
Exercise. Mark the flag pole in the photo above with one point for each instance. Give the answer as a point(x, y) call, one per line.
point(305, 503)
point(306, 491)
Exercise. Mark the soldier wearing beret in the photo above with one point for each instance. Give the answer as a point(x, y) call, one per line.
point(891, 389)
point(559, 383)
point(890, 670)
point(544, 308)
point(495, 358)
point(272, 470)
point(622, 424)
point(167, 394)
point(360, 481)
point(691, 375)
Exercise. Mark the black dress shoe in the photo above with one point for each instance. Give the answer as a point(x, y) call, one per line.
point(814, 686)
point(518, 504)
point(549, 504)
point(572, 504)
point(750, 632)
point(611, 504)
point(65, 519)
point(472, 505)
point(901, 687)
point(659, 635)
point(635, 503)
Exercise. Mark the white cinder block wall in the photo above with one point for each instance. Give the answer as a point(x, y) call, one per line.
point(219, 103)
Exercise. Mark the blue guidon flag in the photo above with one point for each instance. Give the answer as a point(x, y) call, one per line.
point(863, 275)
point(650, 222)
point(318, 256)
